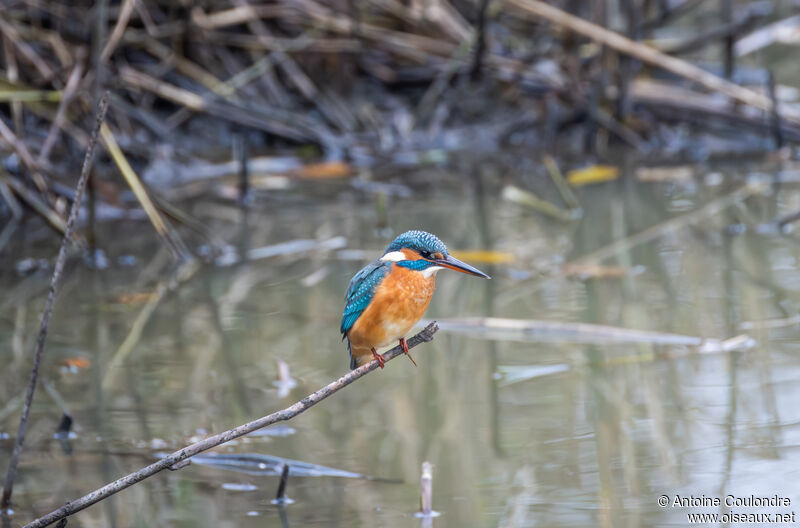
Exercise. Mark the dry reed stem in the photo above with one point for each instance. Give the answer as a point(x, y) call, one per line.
point(141, 193)
point(119, 29)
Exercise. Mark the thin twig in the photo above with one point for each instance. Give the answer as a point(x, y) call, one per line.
point(288, 413)
point(48, 308)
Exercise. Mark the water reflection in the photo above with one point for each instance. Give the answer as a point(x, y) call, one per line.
point(594, 443)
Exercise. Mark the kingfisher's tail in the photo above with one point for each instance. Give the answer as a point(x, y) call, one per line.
point(357, 361)
point(358, 356)
point(353, 363)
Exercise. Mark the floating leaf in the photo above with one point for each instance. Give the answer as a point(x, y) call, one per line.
point(592, 174)
point(76, 363)
point(323, 171)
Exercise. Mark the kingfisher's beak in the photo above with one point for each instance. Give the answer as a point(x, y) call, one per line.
point(455, 264)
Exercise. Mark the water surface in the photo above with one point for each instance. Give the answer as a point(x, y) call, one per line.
point(593, 442)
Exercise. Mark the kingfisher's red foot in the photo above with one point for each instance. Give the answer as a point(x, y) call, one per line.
point(381, 361)
point(404, 345)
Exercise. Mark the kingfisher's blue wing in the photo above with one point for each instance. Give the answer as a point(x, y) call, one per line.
point(361, 290)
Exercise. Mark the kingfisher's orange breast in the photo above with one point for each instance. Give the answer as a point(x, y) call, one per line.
point(399, 302)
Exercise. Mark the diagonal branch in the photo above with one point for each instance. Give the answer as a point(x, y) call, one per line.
point(288, 413)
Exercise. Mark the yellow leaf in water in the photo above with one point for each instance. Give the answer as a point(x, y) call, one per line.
point(484, 257)
point(324, 170)
point(592, 174)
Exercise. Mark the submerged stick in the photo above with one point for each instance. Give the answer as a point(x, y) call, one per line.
point(280, 496)
point(426, 489)
point(48, 307)
point(556, 331)
point(288, 413)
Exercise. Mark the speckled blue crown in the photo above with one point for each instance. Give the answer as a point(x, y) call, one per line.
point(418, 241)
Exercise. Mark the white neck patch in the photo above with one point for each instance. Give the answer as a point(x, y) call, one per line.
point(394, 256)
point(427, 272)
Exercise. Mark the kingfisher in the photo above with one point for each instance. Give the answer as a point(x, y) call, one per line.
point(387, 297)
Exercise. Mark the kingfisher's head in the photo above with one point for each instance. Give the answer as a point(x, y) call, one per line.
point(424, 252)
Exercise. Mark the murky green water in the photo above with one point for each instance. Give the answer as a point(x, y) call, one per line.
point(594, 444)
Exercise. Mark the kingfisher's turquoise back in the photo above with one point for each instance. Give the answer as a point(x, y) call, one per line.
point(361, 291)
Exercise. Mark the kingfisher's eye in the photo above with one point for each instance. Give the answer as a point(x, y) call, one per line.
point(425, 254)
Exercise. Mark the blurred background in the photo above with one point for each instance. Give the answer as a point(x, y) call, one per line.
point(631, 186)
